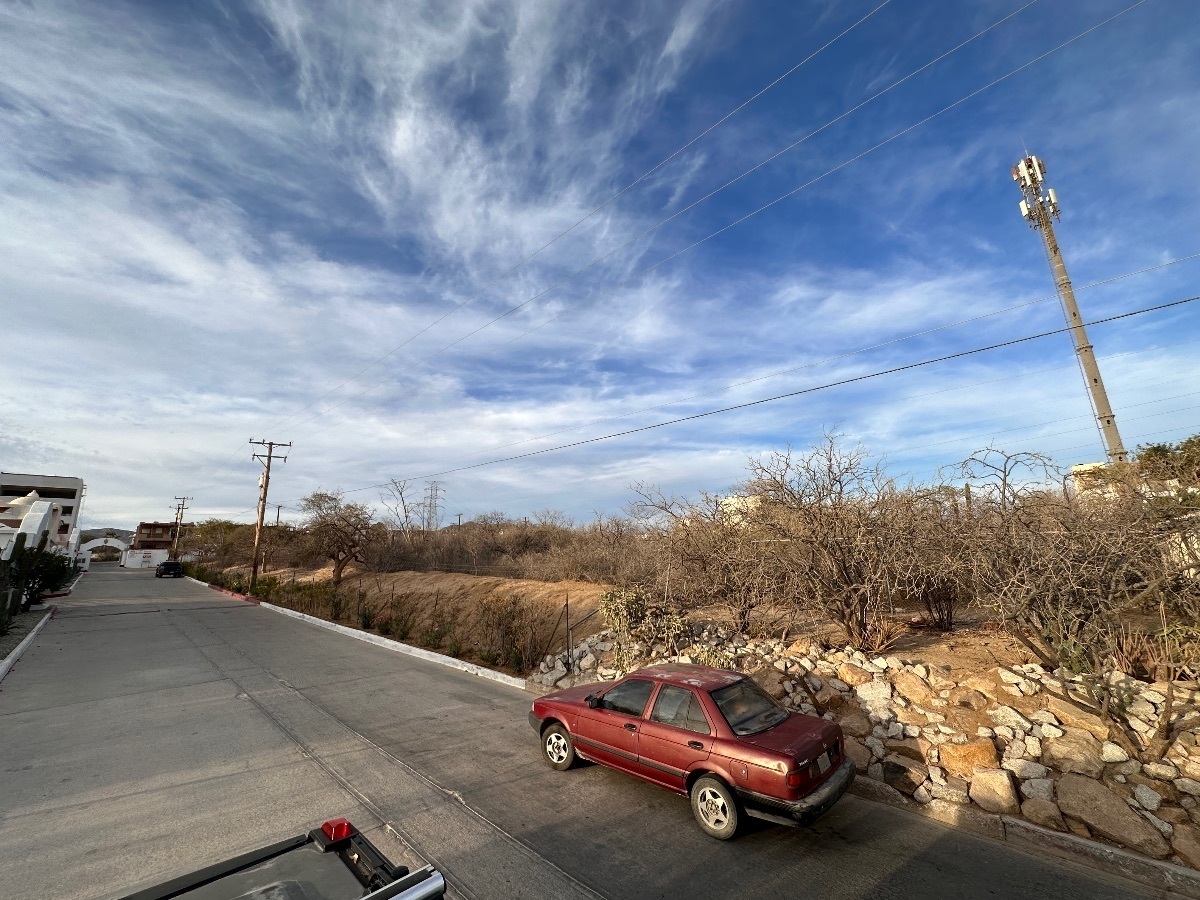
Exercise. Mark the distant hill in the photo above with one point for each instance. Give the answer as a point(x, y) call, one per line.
point(91, 534)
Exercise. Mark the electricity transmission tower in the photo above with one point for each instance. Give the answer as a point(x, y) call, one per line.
point(1038, 206)
point(264, 482)
point(180, 506)
point(433, 507)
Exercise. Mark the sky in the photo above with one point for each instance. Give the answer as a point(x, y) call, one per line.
point(427, 241)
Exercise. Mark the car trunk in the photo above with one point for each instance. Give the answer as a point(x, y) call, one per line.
point(804, 738)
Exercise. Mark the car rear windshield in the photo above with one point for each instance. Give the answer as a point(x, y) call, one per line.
point(748, 708)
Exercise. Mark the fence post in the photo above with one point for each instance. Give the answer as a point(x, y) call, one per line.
point(570, 640)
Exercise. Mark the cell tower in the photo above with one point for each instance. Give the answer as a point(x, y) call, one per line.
point(1039, 206)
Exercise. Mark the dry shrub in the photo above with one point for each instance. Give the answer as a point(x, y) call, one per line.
point(514, 630)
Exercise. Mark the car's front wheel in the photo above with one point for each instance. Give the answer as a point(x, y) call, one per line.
point(558, 748)
point(715, 808)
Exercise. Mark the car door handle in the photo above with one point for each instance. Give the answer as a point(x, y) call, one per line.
point(629, 726)
point(695, 745)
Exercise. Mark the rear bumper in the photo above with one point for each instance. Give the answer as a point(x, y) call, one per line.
point(806, 809)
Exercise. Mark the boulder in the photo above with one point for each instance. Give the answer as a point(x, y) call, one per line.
point(1147, 797)
point(1186, 842)
point(1076, 751)
point(1025, 768)
point(1072, 715)
point(1174, 815)
point(853, 675)
point(856, 725)
point(1044, 813)
point(1112, 753)
point(968, 698)
point(1187, 786)
point(860, 754)
point(993, 790)
point(906, 746)
point(962, 759)
point(1041, 788)
point(903, 774)
point(955, 790)
point(912, 688)
point(829, 697)
point(1108, 815)
point(1008, 717)
point(1163, 771)
point(874, 694)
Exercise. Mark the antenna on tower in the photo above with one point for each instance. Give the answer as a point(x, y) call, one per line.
point(1039, 205)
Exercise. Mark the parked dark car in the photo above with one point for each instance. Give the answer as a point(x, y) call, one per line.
point(169, 569)
point(710, 734)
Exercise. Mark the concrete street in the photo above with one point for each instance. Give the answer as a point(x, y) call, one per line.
point(156, 726)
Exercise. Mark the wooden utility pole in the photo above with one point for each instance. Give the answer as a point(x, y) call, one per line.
point(180, 506)
point(1038, 207)
point(264, 482)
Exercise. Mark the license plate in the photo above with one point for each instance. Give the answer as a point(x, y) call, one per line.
point(823, 763)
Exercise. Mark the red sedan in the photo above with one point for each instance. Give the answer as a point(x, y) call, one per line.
point(710, 734)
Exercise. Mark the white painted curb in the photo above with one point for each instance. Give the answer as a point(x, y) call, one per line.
point(197, 581)
point(11, 659)
point(397, 647)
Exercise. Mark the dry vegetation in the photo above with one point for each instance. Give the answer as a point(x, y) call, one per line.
point(817, 543)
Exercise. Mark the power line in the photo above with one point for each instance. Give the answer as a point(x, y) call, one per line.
point(612, 288)
point(790, 394)
point(594, 211)
point(793, 369)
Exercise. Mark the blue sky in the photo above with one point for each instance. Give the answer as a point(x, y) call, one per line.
point(307, 223)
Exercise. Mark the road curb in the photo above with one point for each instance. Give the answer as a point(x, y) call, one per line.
point(65, 593)
point(1163, 876)
point(220, 590)
point(398, 647)
point(11, 660)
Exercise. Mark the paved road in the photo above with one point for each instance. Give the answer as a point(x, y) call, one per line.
point(156, 726)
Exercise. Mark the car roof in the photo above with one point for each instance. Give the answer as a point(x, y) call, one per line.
point(704, 677)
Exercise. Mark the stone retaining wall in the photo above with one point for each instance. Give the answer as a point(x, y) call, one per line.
point(1006, 740)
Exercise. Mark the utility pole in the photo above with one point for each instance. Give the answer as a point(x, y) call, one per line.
point(1038, 207)
point(264, 482)
point(180, 506)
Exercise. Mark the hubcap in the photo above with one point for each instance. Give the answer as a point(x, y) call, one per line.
point(713, 808)
point(556, 748)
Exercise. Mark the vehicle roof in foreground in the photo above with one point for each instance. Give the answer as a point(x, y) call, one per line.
point(704, 677)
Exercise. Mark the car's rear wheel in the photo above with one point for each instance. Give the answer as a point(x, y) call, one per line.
point(715, 808)
point(558, 748)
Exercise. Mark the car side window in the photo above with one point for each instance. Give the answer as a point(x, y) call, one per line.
point(679, 707)
point(629, 697)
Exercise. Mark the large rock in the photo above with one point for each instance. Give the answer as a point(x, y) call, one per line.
point(1186, 842)
point(860, 754)
point(993, 790)
point(1041, 788)
point(856, 725)
point(1025, 768)
point(909, 747)
point(912, 688)
point(1044, 813)
point(830, 697)
point(854, 675)
point(874, 694)
point(904, 774)
point(969, 698)
point(1108, 815)
point(1076, 751)
point(1072, 715)
point(963, 759)
point(1009, 717)
point(955, 790)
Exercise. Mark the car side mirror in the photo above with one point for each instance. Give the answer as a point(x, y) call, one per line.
point(592, 701)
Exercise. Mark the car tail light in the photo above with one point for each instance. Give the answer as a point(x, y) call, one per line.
point(337, 829)
point(801, 776)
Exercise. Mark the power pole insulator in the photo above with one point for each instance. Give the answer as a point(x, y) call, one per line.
point(1039, 205)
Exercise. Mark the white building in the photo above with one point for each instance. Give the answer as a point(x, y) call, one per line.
point(41, 503)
